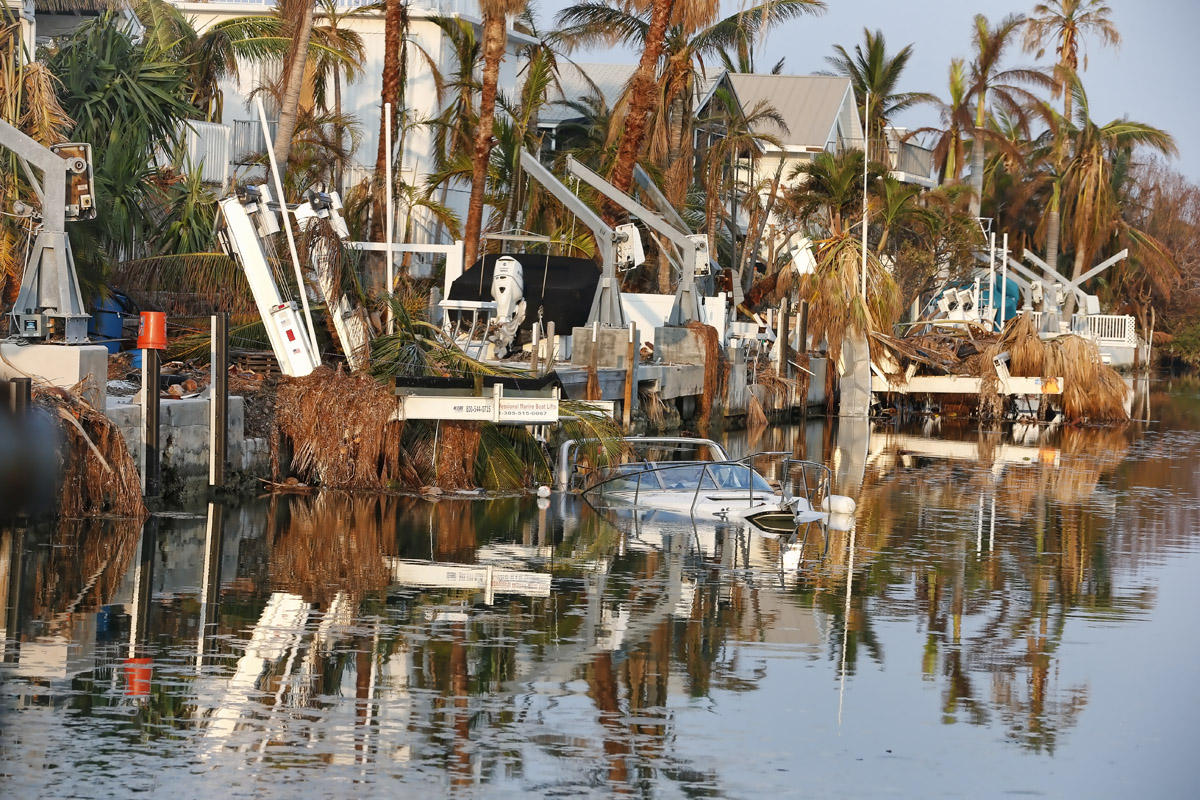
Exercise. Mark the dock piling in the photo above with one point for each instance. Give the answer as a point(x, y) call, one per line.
point(218, 401)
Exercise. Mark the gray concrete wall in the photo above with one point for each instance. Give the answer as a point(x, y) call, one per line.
point(613, 344)
point(59, 365)
point(183, 440)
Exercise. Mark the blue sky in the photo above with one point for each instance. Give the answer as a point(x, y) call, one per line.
point(1145, 79)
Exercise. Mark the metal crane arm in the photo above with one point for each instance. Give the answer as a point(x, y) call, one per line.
point(606, 304)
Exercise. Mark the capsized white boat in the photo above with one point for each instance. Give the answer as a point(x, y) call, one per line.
point(706, 485)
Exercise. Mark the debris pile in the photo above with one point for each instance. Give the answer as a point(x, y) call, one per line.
point(1092, 390)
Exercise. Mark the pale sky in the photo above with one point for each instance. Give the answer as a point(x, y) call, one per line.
point(1145, 79)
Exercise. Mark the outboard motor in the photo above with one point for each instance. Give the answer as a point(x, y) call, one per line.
point(508, 290)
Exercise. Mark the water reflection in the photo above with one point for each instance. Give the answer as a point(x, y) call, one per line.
point(547, 647)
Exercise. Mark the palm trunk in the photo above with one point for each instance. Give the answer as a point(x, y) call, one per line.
point(641, 94)
point(1053, 227)
point(289, 106)
point(494, 39)
point(393, 40)
point(976, 176)
point(977, 160)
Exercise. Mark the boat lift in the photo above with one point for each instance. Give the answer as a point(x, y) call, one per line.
point(49, 286)
point(248, 219)
point(693, 247)
point(620, 245)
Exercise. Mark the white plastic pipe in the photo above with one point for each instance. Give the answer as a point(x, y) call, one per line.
point(390, 233)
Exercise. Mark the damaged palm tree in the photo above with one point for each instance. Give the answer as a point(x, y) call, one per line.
point(836, 306)
point(345, 431)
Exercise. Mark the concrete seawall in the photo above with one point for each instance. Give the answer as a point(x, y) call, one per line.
point(183, 441)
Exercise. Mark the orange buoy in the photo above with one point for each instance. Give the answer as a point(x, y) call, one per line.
point(152, 333)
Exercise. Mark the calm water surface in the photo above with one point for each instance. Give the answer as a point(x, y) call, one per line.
point(1011, 613)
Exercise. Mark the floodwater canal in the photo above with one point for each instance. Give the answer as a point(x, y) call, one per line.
point(1011, 612)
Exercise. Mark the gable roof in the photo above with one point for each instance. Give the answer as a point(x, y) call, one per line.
point(812, 106)
point(610, 79)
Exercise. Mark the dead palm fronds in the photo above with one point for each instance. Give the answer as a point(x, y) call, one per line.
point(99, 475)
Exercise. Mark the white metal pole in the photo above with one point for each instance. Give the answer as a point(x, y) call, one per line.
point(287, 227)
point(1003, 280)
point(390, 233)
point(992, 277)
point(866, 160)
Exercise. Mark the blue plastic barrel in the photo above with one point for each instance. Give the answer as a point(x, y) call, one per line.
point(106, 322)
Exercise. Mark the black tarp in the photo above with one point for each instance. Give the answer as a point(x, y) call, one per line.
point(570, 285)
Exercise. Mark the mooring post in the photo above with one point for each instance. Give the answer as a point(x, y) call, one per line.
point(549, 345)
point(150, 453)
point(783, 339)
point(218, 401)
point(803, 327)
point(534, 347)
point(20, 396)
point(631, 355)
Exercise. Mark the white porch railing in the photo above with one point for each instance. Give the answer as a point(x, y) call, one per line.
point(1113, 329)
point(1116, 330)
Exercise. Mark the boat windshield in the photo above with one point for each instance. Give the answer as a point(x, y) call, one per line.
point(687, 477)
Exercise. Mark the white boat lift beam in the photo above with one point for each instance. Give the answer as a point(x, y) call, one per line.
point(606, 304)
point(694, 248)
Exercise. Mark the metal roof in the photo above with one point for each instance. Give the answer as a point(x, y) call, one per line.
point(609, 79)
point(811, 106)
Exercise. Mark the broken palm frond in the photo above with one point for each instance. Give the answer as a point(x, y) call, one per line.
point(716, 372)
point(333, 542)
point(195, 284)
point(1092, 390)
point(654, 408)
point(99, 475)
point(342, 431)
point(756, 418)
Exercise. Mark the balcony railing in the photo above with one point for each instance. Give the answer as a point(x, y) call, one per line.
point(442, 7)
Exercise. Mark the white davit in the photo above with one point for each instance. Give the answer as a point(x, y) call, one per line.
point(285, 329)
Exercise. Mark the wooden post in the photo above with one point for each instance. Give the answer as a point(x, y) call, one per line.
point(549, 345)
point(534, 347)
point(151, 465)
point(631, 357)
point(20, 396)
point(782, 335)
point(803, 326)
point(218, 401)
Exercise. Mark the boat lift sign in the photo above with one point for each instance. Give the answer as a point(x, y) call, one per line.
point(496, 408)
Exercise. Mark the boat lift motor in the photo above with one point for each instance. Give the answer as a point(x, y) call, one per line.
point(49, 285)
point(508, 290)
point(240, 237)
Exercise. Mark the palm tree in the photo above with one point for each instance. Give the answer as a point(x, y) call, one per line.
point(331, 29)
point(956, 120)
point(830, 189)
point(495, 39)
point(657, 116)
point(395, 31)
point(1063, 24)
point(989, 84)
point(875, 73)
point(1093, 191)
point(298, 15)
